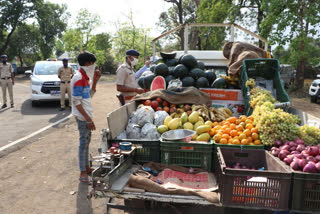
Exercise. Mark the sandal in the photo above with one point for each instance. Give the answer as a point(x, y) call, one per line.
point(84, 180)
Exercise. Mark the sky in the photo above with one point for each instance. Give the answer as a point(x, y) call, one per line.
point(145, 12)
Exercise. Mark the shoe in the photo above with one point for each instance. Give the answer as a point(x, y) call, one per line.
point(4, 106)
point(12, 105)
point(84, 180)
point(62, 109)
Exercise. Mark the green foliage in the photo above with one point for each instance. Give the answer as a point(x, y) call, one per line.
point(212, 38)
point(51, 18)
point(24, 44)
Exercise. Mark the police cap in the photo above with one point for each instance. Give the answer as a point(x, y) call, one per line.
point(132, 52)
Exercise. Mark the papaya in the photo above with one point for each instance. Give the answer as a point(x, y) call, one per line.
point(174, 123)
point(197, 124)
point(184, 117)
point(193, 117)
point(188, 125)
point(203, 137)
point(203, 129)
point(167, 120)
point(163, 128)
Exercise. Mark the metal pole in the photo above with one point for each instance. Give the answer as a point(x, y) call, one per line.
point(232, 33)
point(186, 33)
point(266, 46)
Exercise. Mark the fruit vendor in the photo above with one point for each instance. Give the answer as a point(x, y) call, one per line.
point(126, 77)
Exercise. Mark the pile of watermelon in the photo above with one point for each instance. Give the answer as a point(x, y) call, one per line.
point(190, 71)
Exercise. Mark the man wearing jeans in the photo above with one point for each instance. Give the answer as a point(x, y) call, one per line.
point(82, 109)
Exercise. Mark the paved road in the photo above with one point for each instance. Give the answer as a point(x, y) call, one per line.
point(23, 119)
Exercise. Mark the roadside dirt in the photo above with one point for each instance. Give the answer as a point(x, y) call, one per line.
point(42, 177)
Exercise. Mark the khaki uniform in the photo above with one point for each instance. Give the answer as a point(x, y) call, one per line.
point(6, 81)
point(65, 74)
point(127, 77)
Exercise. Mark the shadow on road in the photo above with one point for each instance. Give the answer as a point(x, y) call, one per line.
point(45, 108)
point(84, 205)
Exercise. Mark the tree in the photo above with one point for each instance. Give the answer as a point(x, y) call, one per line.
point(299, 20)
point(182, 12)
point(12, 14)
point(51, 18)
point(24, 43)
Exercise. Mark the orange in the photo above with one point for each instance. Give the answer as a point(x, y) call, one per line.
point(242, 118)
point(227, 123)
point(225, 126)
point(223, 141)
point(217, 127)
point(230, 141)
point(255, 136)
point(227, 131)
point(249, 126)
point(216, 131)
point(257, 142)
point(250, 118)
point(212, 132)
point(233, 133)
point(247, 132)
point(236, 137)
point(244, 142)
point(251, 144)
point(238, 122)
point(248, 121)
point(254, 130)
point(249, 139)
point(226, 136)
point(233, 126)
point(242, 136)
point(215, 124)
point(216, 138)
point(232, 119)
point(242, 124)
point(240, 128)
point(236, 141)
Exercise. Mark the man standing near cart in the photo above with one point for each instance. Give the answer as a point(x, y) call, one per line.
point(82, 108)
point(65, 74)
point(126, 77)
point(7, 81)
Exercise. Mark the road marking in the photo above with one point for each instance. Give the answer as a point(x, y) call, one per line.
point(17, 142)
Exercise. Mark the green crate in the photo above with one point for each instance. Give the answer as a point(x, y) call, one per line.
point(268, 69)
point(146, 150)
point(216, 145)
point(196, 155)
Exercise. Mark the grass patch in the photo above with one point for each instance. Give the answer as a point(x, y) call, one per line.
point(108, 78)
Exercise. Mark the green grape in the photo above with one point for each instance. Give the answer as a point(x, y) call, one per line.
point(310, 134)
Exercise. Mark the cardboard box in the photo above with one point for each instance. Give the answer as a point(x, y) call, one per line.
point(224, 94)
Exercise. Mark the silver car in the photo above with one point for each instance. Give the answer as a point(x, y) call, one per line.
point(314, 90)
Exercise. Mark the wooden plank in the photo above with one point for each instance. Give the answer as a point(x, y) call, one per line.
point(117, 121)
point(131, 107)
point(210, 24)
point(251, 33)
point(166, 33)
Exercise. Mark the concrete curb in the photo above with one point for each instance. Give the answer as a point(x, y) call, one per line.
point(14, 146)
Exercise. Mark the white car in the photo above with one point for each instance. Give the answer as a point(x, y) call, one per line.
point(314, 90)
point(44, 81)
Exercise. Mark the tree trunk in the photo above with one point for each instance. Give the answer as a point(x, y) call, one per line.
point(181, 33)
point(194, 39)
point(6, 43)
point(260, 19)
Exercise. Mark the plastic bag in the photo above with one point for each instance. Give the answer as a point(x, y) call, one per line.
point(149, 131)
point(122, 135)
point(159, 117)
point(133, 131)
point(173, 84)
point(144, 115)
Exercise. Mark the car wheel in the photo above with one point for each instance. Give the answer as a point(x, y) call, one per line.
point(34, 103)
point(313, 99)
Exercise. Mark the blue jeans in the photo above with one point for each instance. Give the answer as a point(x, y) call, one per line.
point(84, 138)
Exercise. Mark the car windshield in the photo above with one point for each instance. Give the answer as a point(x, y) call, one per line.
point(47, 68)
point(75, 67)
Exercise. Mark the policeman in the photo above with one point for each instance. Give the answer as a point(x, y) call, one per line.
point(7, 80)
point(65, 74)
point(126, 77)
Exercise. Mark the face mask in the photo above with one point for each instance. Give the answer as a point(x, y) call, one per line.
point(4, 61)
point(134, 61)
point(89, 70)
point(65, 65)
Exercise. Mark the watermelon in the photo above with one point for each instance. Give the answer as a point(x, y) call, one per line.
point(152, 68)
point(172, 62)
point(180, 71)
point(169, 78)
point(202, 82)
point(187, 82)
point(171, 70)
point(140, 82)
point(161, 70)
point(167, 56)
point(211, 76)
point(147, 81)
point(180, 58)
point(158, 83)
point(201, 65)
point(189, 61)
point(219, 83)
point(196, 73)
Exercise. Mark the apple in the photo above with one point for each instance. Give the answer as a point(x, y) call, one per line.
point(165, 103)
point(154, 104)
point(187, 107)
point(172, 110)
point(159, 100)
point(159, 109)
point(166, 109)
point(172, 105)
point(147, 102)
point(189, 112)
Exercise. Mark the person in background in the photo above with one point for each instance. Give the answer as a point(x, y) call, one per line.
point(65, 74)
point(127, 79)
point(7, 81)
point(82, 108)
